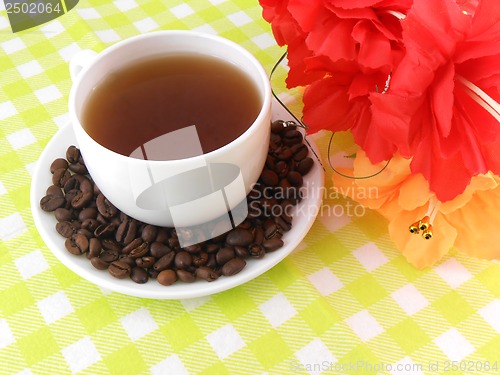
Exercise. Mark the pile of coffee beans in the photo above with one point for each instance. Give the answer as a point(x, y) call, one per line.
point(129, 248)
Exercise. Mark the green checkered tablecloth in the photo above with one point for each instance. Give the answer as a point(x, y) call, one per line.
point(345, 302)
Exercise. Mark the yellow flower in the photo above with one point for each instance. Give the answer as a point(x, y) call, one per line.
point(470, 222)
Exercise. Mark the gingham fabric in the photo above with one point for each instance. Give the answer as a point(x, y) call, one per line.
point(344, 302)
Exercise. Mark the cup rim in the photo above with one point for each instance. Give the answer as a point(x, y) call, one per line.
point(263, 77)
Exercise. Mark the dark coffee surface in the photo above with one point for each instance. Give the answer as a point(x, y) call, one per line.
point(152, 97)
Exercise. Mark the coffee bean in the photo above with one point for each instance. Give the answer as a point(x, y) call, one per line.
point(211, 248)
point(149, 233)
point(272, 244)
point(284, 154)
point(258, 235)
point(159, 249)
point(305, 165)
point(292, 136)
point(295, 178)
point(66, 228)
point(105, 207)
point(63, 214)
point(192, 249)
point(119, 269)
point(105, 230)
point(87, 213)
point(72, 183)
point(57, 164)
point(132, 245)
point(95, 248)
point(200, 259)
point(241, 252)
point(224, 254)
point(54, 190)
point(284, 222)
point(278, 126)
point(281, 169)
point(139, 275)
point(90, 224)
point(126, 231)
point(270, 162)
point(86, 233)
point(164, 262)
point(271, 230)
point(98, 263)
point(185, 276)
point(126, 259)
point(81, 199)
point(85, 184)
point(139, 251)
point(234, 266)
point(110, 244)
point(256, 251)
point(300, 152)
point(145, 262)
point(60, 177)
point(206, 273)
point(269, 177)
point(50, 203)
point(239, 237)
point(78, 167)
point(72, 154)
point(77, 244)
point(109, 256)
point(162, 235)
point(167, 277)
point(183, 260)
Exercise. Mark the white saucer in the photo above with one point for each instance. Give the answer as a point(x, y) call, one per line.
point(305, 214)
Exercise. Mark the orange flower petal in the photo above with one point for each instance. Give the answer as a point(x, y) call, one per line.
point(477, 223)
point(418, 251)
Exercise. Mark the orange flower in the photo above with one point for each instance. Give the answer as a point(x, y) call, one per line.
point(468, 222)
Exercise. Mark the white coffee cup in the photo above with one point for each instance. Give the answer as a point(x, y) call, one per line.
point(129, 183)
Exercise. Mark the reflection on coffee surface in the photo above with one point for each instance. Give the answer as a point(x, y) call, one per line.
point(151, 97)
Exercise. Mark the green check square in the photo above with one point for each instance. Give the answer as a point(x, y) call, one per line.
point(153, 8)
point(216, 369)
point(270, 349)
point(10, 162)
point(64, 275)
point(181, 332)
point(490, 351)
point(284, 274)
point(409, 336)
point(367, 290)
point(320, 316)
point(15, 298)
point(454, 308)
point(42, 48)
point(489, 278)
point(38, 345)
point(125, 361)
point(359, 359)
point(17, 89)
point(329, 249)
point(372, 224)
point(117, 20)
point(234, 303)
point(96, 315)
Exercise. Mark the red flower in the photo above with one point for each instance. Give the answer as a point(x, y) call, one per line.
point(418, 77)
point(436, 110)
